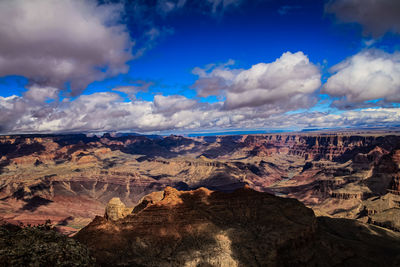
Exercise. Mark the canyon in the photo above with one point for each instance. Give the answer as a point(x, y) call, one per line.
point(69, 179)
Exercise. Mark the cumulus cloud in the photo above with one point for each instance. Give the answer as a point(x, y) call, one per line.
point(68, 44)
point(65, 42)
point(107, 111)
point(41, 94)
point(57, 44)
point(289, 83)
point(368, 75)
point(376, 16)
point(367, 117)
point(132, 90)
point(173, 104)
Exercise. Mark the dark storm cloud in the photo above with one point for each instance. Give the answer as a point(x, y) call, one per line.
point(66, 41)
point(376, 16)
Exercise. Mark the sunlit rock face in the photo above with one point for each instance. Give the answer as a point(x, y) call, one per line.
point(242, 228)
point(115, 209)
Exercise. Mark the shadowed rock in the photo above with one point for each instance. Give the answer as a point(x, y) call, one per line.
point(242, 228)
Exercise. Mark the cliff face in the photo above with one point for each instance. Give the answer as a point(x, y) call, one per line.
point(70, 178)
point(340, 148)
point(204, 227)
point(242, 228)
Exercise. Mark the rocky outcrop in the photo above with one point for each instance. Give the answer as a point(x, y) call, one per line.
point(389, 218)
point(350, 195)
point(191, 228)
point(116, 210)
point(394, 186)
point(242, 228)
point(383, 211)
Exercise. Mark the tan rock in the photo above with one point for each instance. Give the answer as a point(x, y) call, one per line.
point(115, 209)
point(87, 159)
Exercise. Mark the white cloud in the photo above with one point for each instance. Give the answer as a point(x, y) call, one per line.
point(376, 16)
point(368, 75)
point(67, 44)
point(172, 104)
point(288, 83)
point(368, 117)
point(107, 111)
point(54, 42)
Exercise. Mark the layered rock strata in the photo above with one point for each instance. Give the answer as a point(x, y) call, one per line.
point(70, 178)
point(242, 228)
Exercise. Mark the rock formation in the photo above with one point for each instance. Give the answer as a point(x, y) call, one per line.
point(115, 209)
point(242, 228)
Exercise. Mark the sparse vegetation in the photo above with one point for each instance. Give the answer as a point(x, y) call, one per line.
point(40, 246)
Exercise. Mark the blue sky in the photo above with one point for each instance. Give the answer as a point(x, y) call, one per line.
point(248, 34)
point(198, 66)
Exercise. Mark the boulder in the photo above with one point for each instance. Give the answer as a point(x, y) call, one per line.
point(116, 210)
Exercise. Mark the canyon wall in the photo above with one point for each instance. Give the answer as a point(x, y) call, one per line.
point(70, 178)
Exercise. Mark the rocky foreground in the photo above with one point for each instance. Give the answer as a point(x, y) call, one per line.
point(242, 228)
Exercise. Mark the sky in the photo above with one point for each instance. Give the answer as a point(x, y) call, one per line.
point(198, 66)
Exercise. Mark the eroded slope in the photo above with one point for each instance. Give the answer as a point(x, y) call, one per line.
point(242, 228)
